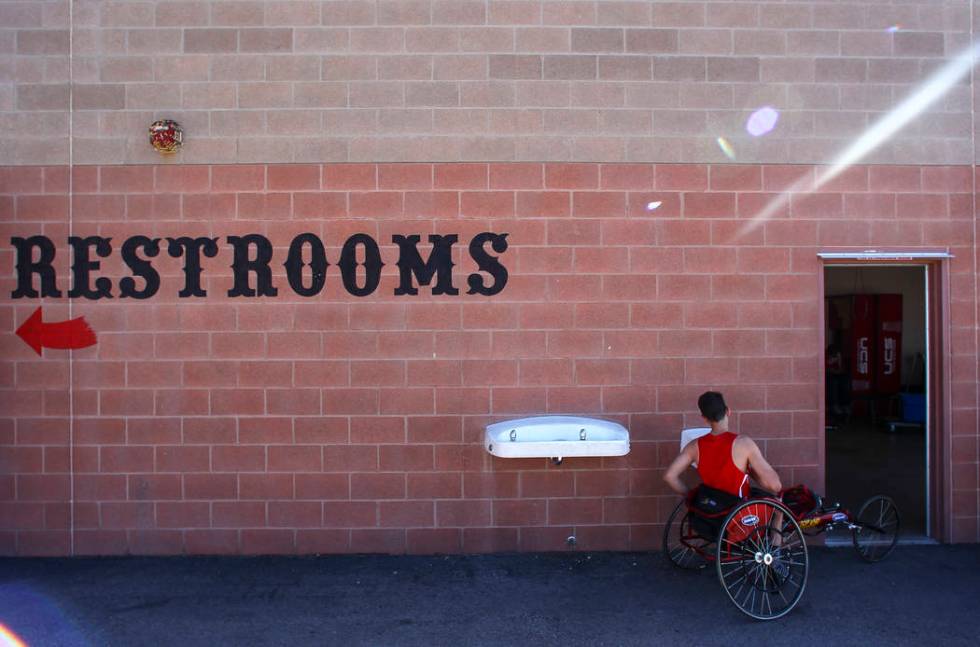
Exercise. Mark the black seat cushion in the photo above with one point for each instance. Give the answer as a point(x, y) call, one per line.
point(708, 507)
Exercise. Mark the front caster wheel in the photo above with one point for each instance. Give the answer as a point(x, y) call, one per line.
point(877, 524)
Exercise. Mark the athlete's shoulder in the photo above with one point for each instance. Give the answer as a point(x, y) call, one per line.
point(691, 446)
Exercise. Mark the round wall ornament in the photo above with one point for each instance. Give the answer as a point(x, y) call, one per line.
point(166, 136)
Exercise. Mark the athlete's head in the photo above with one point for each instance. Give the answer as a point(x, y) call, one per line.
point(712, 406)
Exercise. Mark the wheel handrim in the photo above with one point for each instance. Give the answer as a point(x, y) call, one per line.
point(763, 572)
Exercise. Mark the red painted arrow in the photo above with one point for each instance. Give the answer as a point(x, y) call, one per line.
point(74, 333)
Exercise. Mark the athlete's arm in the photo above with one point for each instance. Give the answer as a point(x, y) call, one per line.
point(759, 467)
point(687, 456)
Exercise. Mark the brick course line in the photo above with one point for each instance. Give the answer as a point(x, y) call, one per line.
point(336, 423)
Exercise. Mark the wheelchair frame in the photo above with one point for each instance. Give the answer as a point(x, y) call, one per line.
point(760, 552)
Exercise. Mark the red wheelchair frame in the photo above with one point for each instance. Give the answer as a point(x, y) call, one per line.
point(759, 549)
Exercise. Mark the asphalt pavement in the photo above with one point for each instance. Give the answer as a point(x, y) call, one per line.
point(918, 595)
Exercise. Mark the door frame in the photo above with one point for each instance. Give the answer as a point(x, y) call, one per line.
point(938, 404)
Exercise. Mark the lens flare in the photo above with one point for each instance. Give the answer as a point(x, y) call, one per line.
point(928, 92)
point(654, 205)
point(37, 610)
point(893, 29)
point(9, 638)
point(726, 148)
point(762, 121)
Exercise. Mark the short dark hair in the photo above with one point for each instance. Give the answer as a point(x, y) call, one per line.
point(712, 405)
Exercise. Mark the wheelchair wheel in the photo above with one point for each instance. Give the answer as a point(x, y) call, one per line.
point(762, 559)
point(877, 532)
point(680, 541)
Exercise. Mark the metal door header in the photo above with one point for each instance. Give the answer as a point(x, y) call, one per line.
point(885, 255)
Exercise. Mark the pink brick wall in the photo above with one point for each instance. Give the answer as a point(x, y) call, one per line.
point(336, 423)
point(461, 80)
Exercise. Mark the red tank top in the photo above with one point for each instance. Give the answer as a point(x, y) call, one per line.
point(716, 467)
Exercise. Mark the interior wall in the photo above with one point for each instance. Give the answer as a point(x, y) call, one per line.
point(907, 281)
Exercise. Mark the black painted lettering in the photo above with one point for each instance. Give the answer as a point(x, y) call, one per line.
point(241, 265)
point(82, 265)
point(27, 267)
point(318, 265)
point(439, 265)
point(487, 263)
point(372, 265)
point(141, 268)
point(190, 249)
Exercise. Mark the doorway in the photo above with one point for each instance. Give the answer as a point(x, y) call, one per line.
point(877, 361)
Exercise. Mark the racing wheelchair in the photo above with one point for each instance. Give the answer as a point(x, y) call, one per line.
point(758, 544)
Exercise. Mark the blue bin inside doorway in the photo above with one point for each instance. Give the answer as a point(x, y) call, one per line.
point(914, 407)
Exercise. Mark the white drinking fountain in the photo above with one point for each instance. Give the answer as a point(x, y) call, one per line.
point(692, 434)
point(556, 437)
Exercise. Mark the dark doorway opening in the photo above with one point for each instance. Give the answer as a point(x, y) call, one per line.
point(876, 369)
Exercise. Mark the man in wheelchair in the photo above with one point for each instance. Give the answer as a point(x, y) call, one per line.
point(724, 461)
point(755, 538)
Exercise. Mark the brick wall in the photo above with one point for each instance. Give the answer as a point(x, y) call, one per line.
point(336, 423)
point(462, 80)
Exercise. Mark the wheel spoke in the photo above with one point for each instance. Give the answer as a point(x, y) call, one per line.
point(737, 593)
point(765, 597)
point(878, 522)
point(763, 591)
point(737, 564)
point(739, 582)
point(682, 545)
point(795, 540)
point(738, 545)
point(785, 601)
point(680, 553)
point(753, 543)
point(744, 571)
